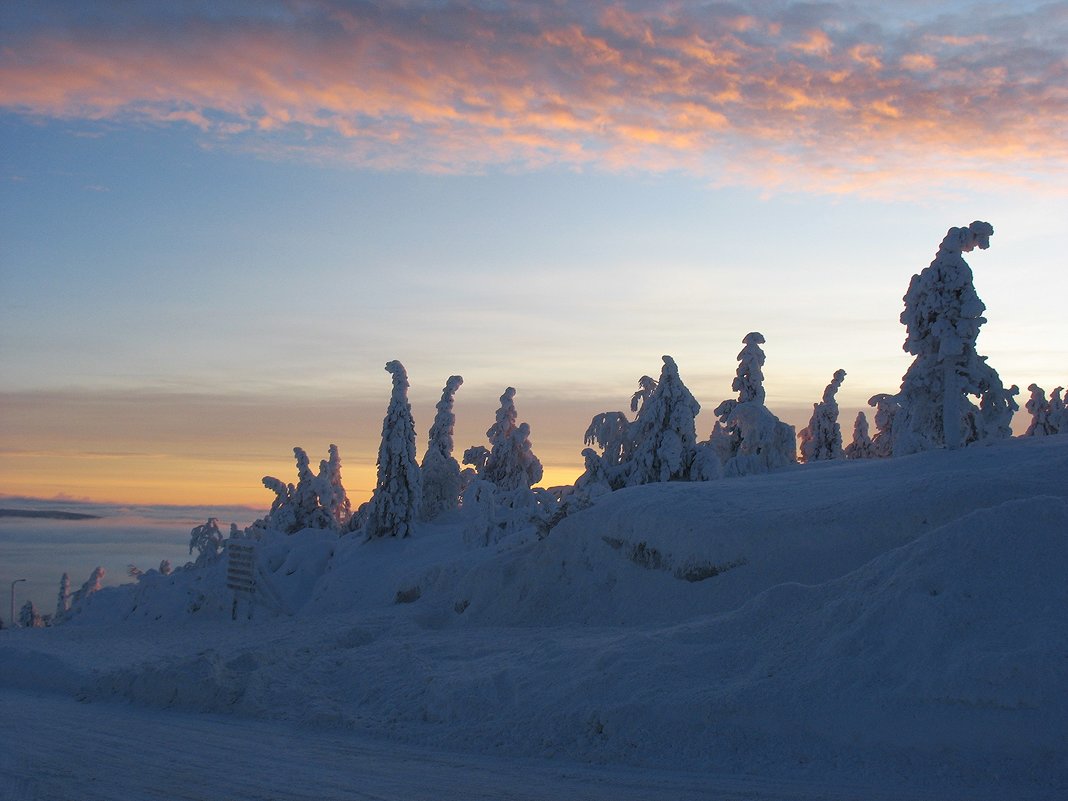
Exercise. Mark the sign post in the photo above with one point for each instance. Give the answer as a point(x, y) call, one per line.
point(241, 571)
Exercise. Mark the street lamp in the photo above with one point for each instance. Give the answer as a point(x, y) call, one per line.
point(14, 623)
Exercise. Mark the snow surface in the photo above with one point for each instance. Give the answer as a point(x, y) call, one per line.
point(889, 628)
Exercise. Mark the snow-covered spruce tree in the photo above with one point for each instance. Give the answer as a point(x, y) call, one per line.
point(63, 601)
point(1058, 414)
point(822, 439)
point(307, 507)
point(207, 541)
point(282, 515)
point(610, 431)
point(396, 496)
point(505, 479)
point(315, 501)
point(613, 433)
point(441, 471)
point(92, 585)
point(861, 447)
point(29, 617)
point(996, 406)
point(334, 506)
point(1041, 411)
point(511, 464)
point(885, 405)
point(942, 318)
point(749, 377)
point(663, 436)
point(748, 438)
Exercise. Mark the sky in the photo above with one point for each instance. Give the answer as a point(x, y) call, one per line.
point(218, 221)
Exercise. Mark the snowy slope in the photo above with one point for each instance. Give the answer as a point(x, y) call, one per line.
point(899, 622)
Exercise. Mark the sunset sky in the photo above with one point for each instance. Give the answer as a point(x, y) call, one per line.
point(219, 220)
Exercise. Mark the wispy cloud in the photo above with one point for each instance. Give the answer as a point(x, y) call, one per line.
point(819, 97)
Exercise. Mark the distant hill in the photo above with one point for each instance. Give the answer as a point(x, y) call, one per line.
point(49, 514)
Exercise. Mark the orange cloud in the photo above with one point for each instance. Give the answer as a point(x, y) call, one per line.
point(458, 88)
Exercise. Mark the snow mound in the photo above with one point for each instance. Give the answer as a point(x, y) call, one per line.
point(663, 553)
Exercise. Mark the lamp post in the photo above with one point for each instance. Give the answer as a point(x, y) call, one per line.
point(14, 623)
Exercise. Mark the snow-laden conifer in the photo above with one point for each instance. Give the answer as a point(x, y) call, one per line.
point(315, 501)
point(29, 617)
point(664, 435)
point(861, 447)
point(441, 471)
point(1058, 414)
point(997, 405)
point(396, 496)
point(614, 433)
point(92, 585)
point(1042, 413)
point(885, 405)
point(748, 437)
point(822, 439)
point(207, 541)
point(333, 501)
point(511, 464)
point(942, 317)
point(63, 601)
point(749, 377)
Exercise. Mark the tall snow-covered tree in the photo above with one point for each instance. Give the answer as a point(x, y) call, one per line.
point(1042, 413)
point(861, 446)
point(63, 601)
point(942, 317)
point(511, 463)
point(822, 439)
point(748, 437)
point(441, 471)
point(333, 502)
point(396, 498)
point(664, 436)
point(749, 377)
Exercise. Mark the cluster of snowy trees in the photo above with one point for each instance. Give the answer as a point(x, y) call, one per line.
point(1047, 416)
point(660, 443)
point(949, 397)
point(67, 602)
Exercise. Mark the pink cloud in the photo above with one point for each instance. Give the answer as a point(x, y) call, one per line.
point(807, 98)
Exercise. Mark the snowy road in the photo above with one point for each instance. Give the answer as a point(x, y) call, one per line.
point(56, 749)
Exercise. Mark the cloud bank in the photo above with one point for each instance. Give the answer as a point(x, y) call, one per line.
point(786, 96)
